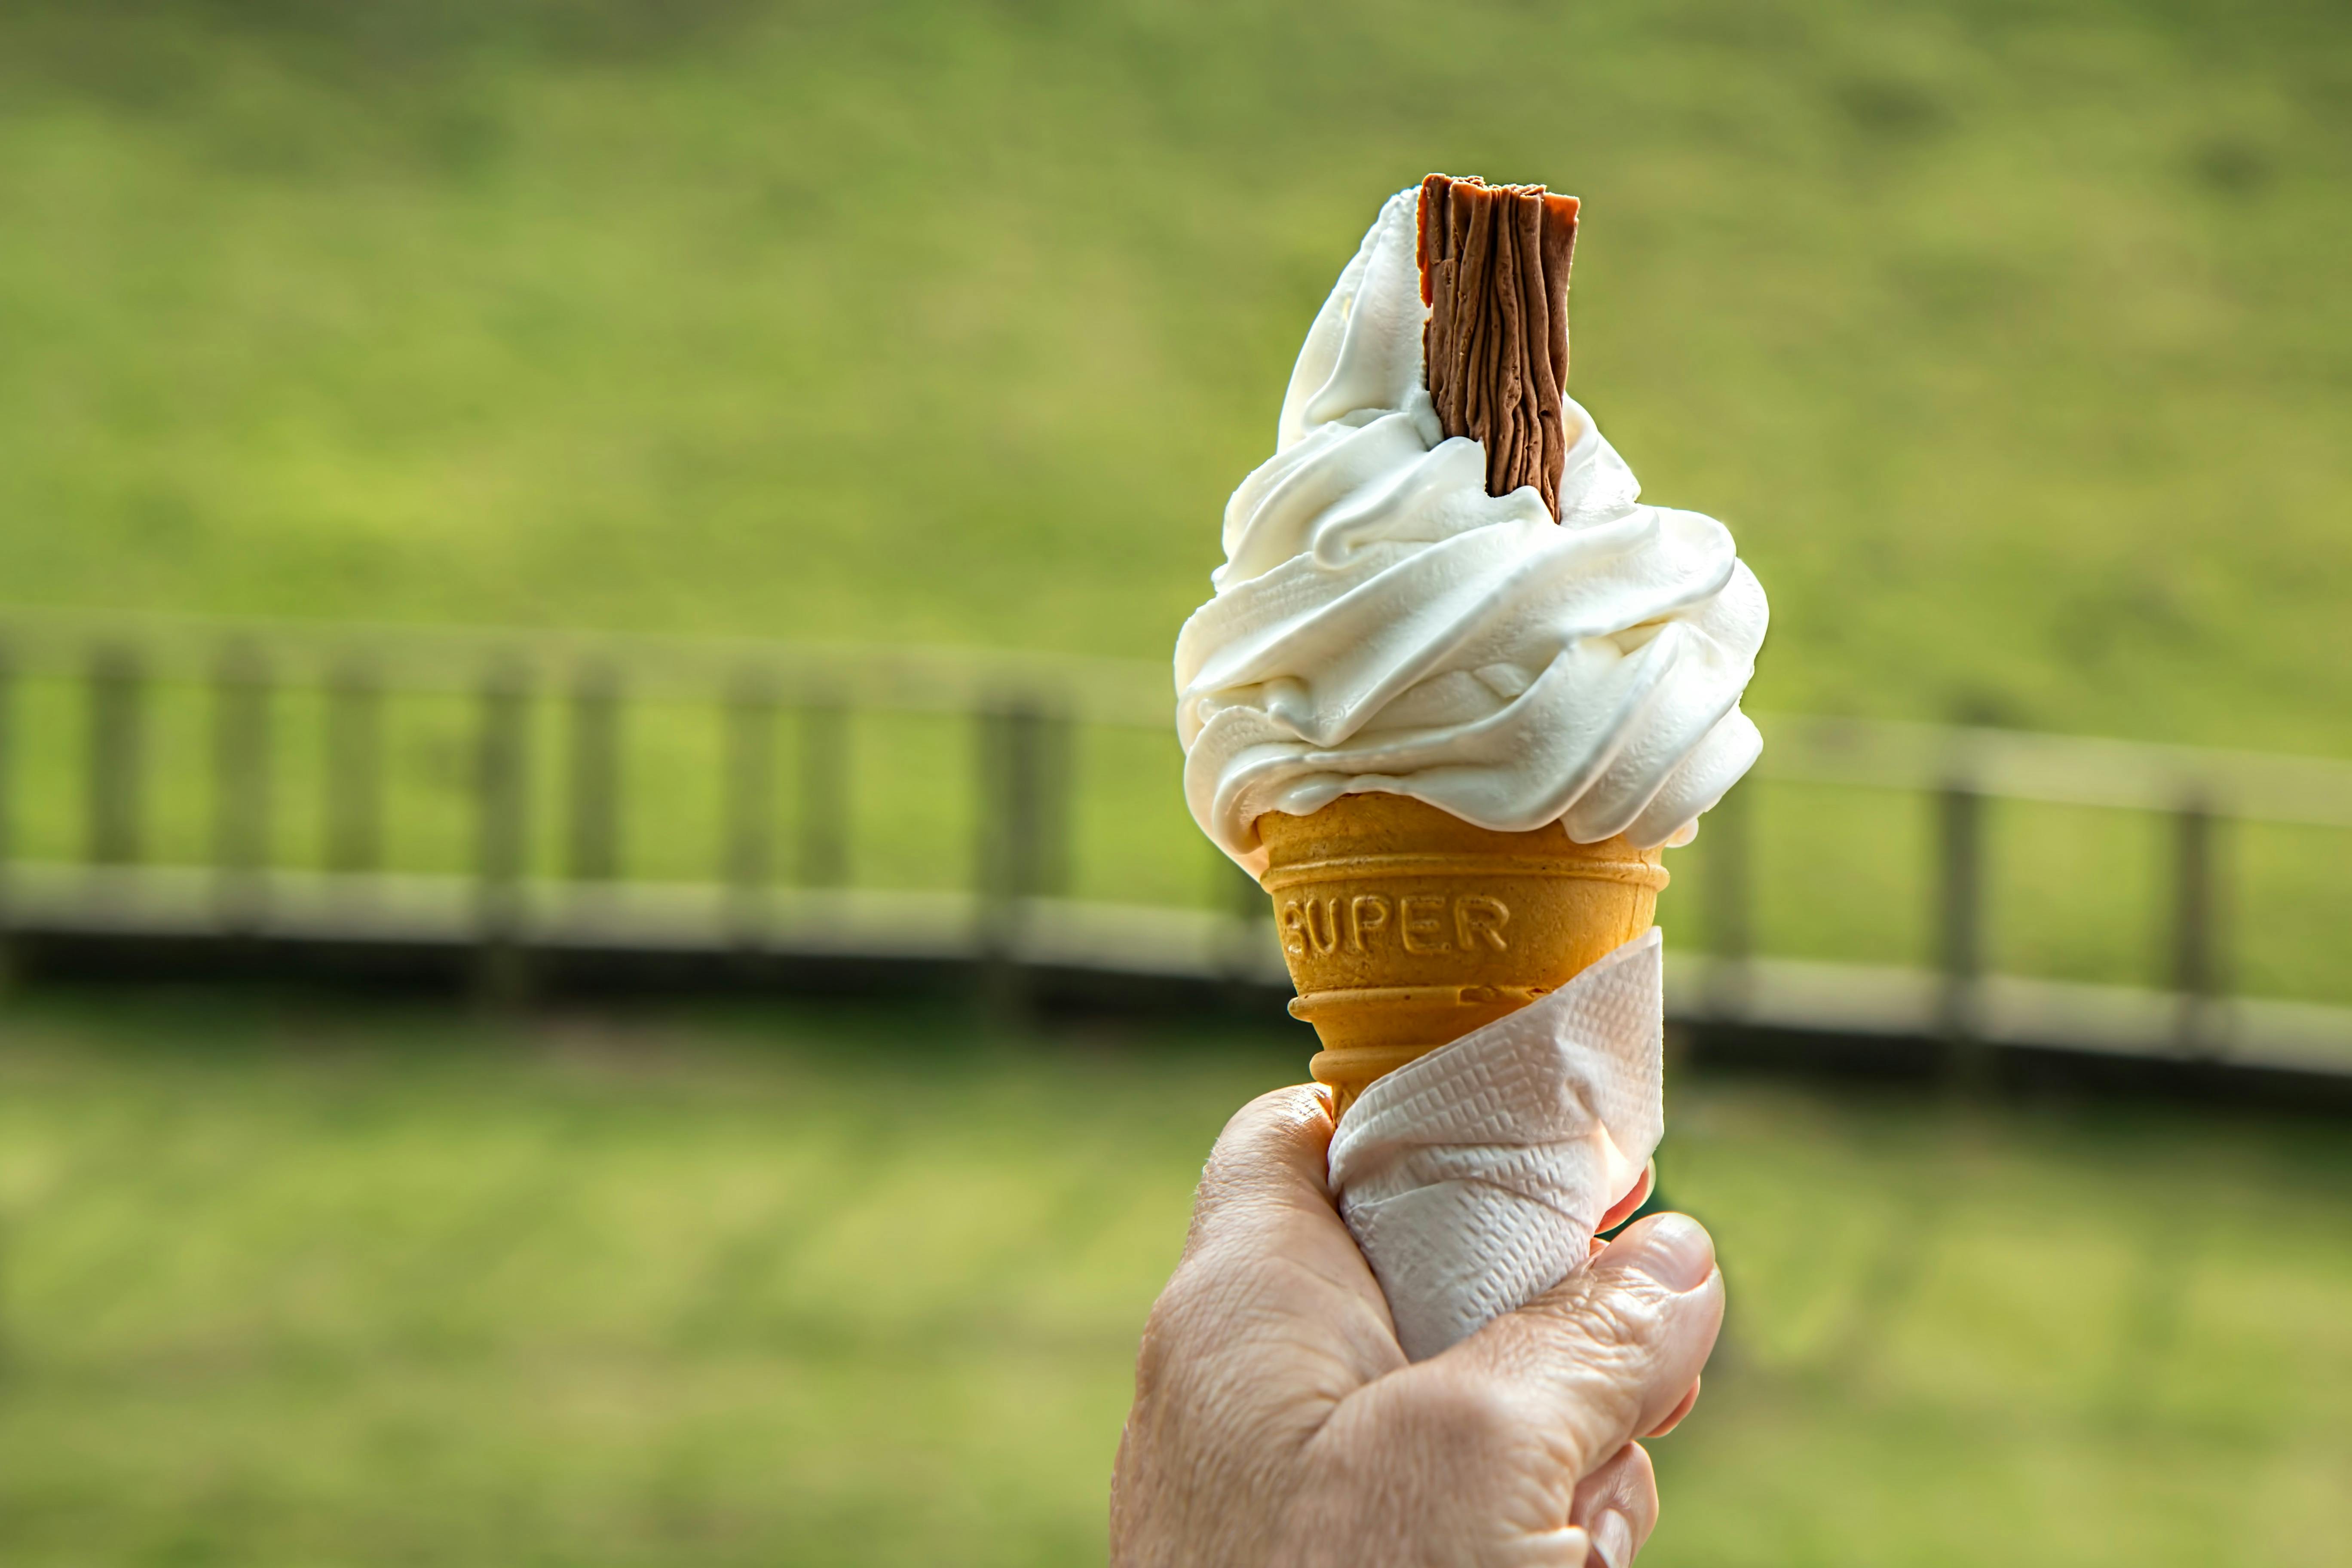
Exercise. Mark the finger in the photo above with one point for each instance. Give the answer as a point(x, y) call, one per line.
point(1674, 1417)
point(1624, 1208)
point(1265, 1325)
point(1609, 1351)
point(1267, 1168)
point(1269, 1269)
point(1564, 1548)
point(1617, 1506)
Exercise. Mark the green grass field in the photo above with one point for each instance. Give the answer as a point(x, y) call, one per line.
point(2009, 338)
point(282, 1287)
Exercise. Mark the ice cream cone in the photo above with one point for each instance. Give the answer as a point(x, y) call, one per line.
point(1405, 927)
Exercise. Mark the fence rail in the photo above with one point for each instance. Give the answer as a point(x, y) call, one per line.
point(541, 761)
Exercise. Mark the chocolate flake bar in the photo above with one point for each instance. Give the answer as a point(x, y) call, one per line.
point(1494, 273)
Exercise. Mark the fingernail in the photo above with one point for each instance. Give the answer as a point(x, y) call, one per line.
point(1613, 1538)
point(1673, 1250)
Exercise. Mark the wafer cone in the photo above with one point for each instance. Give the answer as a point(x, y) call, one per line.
point(1406, 927)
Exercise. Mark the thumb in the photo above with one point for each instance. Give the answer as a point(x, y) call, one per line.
point(1608, 1353)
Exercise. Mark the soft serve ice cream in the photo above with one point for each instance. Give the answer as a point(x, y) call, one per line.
point(1446, 623)
point(1383, 624)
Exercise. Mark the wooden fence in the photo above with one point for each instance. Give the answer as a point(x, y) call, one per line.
point(546, 820)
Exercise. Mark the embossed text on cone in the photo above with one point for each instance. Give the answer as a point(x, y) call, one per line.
point(1406, 927)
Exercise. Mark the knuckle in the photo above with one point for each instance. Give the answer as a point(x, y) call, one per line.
point(1622, 1322)
point(1166, 1332)
point(1245, 1159)
point(1633, 1487)
point(1154, 1356)
point(1263, 1120)
point(1461, 1416)
point(1195, 1316)
point(1641, 1475)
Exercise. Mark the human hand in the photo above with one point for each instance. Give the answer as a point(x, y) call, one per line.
point(1277, 1421)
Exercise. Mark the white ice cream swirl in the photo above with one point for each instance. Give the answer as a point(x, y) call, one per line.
point(1382, 623)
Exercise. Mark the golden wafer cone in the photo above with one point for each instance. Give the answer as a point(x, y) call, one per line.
point(1406, 927)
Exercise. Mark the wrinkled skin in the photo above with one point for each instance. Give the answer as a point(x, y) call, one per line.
point(1277, 1421)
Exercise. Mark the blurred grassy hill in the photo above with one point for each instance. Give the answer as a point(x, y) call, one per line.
point(2010, 338)
point(862, 1288)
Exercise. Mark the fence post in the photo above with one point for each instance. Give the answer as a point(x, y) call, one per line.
point(593, 808)
point(1051, 752)
point(2198, 976)
point(1960, 930)
point(823, 805)
point(996, 826)
point(501, 830)
point(1728, 886)
point(354, 762)
point(1022, 841)
point(115, 784)
point(241, 701)
point(7, 824)
point(750, 808)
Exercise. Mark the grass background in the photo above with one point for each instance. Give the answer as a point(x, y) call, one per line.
point(862, 1287)
point(2007, 337)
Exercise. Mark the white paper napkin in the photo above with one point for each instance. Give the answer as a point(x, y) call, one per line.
point(1474, 1178)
